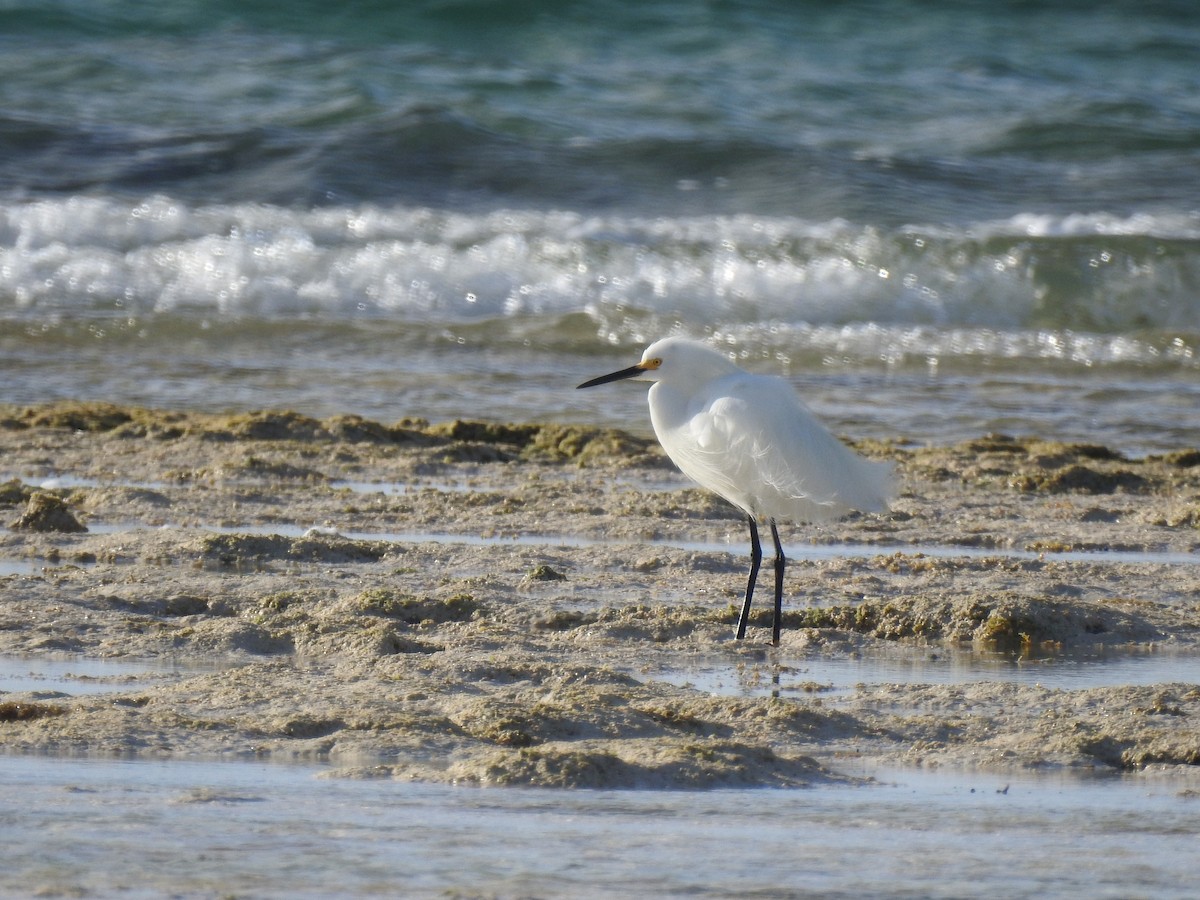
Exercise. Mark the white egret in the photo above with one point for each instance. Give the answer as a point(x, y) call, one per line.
point(750, 439)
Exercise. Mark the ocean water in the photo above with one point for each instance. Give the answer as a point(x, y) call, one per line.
point(936, 219)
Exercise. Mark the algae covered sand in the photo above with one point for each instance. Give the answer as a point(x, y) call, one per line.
point(523, 604)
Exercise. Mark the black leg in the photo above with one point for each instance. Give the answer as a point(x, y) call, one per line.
point(780, 565)
point(755, 562)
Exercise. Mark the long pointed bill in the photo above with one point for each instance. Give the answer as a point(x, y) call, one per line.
point(631, 372)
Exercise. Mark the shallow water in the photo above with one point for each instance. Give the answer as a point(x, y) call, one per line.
point(825, 675)
point(18, 567)
point(75, 675)
point(794, 552)
point(865, 381)
point(191, 829)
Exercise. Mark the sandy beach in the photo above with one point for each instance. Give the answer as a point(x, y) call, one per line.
point(523, 604)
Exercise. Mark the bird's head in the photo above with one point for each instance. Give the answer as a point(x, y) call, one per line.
point(673, 359)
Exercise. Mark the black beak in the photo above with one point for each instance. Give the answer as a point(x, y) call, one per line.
point(614, 376)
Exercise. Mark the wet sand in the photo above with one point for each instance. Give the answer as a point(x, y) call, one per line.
point(488, 604)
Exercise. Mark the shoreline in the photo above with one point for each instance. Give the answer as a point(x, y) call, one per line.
point(254, 541)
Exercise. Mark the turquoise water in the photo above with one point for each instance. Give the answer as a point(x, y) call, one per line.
point(936, 219)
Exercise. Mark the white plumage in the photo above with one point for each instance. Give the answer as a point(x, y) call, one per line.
point(750, 439)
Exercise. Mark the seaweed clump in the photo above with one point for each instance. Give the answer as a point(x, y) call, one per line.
point(27, 712)
point(1082, 479)
point(555, 443)
point(413, 610)
point(1003, 622)
point(45, 513)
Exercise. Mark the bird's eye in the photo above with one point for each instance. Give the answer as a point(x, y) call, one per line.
point(652, 363)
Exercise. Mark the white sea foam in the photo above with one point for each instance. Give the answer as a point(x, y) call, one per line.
point(87, 256)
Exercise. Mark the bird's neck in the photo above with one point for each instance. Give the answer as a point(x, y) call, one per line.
point(669, 407)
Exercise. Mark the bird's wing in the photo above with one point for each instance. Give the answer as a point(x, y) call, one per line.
point(713, 448)
point(755, 443)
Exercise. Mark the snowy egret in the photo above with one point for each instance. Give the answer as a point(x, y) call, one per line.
point(750, 439)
